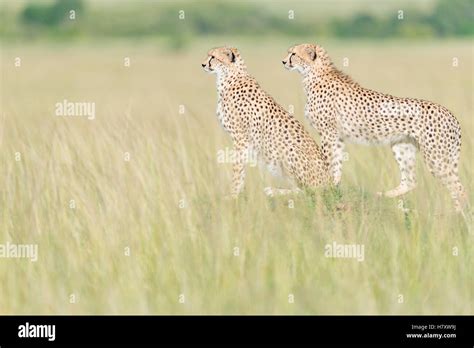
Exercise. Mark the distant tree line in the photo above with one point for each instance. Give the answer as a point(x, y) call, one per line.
point(448, 18)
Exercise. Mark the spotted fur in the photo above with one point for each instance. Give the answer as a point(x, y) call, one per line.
point(343, 111)
point(256, 122)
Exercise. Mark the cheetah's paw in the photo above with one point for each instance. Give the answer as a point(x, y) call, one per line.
point(269, 191)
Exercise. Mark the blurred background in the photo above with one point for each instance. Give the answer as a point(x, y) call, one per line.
point(22, 20)
point(144, 176)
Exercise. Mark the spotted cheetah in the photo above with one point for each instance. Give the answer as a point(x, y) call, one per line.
point(258, 124)
point(342, 110)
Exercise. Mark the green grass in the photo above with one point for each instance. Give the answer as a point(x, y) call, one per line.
point(173, 159)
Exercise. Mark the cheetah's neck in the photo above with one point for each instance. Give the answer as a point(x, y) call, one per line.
point(225, 78)
point(332, 74)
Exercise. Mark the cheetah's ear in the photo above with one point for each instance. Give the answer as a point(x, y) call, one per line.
point(311, 52)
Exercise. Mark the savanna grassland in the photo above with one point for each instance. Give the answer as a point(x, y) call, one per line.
point(128, 209)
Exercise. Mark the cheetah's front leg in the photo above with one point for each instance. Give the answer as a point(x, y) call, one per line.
point(333, 149)
point(238, 171)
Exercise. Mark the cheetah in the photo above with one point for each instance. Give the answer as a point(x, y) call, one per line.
point(258, 124)
point(341, 111)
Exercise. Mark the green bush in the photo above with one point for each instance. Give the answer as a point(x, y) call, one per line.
point(50, 15)
point(453, 17)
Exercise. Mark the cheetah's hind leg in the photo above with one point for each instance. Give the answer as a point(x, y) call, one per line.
point(405, 155)
point(271, 191)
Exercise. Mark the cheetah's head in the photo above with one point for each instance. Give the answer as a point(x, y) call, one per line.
point(223, 59)
point(306, 57)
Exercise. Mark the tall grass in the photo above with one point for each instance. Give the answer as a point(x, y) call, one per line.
point(165, 205)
